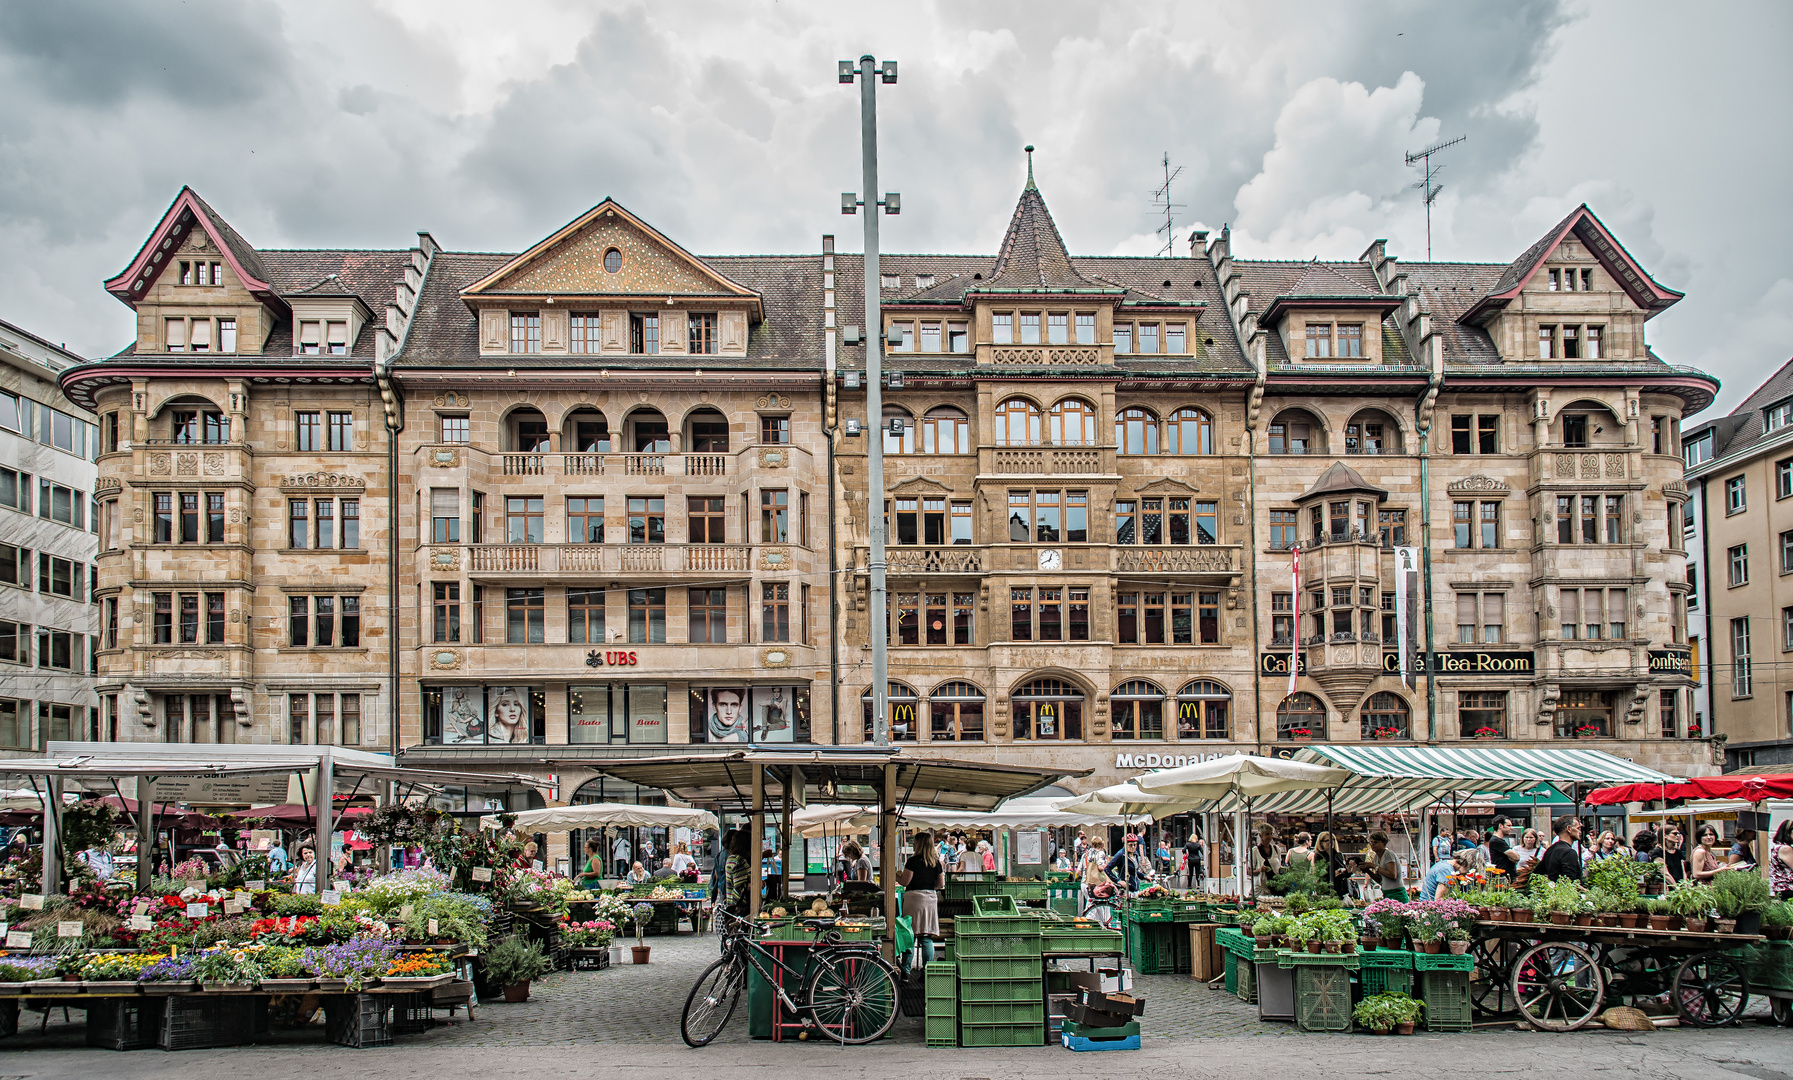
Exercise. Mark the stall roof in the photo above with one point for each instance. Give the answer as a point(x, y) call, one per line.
point(842, 776)
point(100, 761)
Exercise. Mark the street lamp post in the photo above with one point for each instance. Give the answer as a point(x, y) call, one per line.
point(870, 73)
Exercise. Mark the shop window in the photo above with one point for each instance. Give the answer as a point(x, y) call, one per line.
point(904, 707)
point(1482, 714)
point(1301, 716)
point(1048, 710)
point(1385, 716)
point(1584, 714)
point(1203, 710)
point(956, 713)
point(1138, 710)
point(617, 713)
point(766, 714)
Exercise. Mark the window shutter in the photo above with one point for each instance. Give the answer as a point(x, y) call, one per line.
point(445, 502)
point(177, 334)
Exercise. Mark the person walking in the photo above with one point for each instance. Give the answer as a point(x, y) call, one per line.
point(1384, 869)
point(1502, 855)
point(1562, 860)
point(1128, 867)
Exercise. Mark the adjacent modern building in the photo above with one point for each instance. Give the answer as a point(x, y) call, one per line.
point(605, 496)
point(48, 523)
point(1740, 475)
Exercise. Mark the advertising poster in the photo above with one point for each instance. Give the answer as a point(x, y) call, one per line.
point(772, 717)
point(463, 714)
point(507, 714)
point(726, 710)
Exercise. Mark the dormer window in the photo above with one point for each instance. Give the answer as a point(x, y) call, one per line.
point(1148, 338)
point(1569, 279)
point(889, 281)
point(1086, 329)
point(1123, 338)
point(324, 336)
point(958, 337)
point(526, 332)
point(1780, 416)
point(1319, 341)
point(924, 281)
point(1175, 338)
point(201, 273)
point(1325, 341)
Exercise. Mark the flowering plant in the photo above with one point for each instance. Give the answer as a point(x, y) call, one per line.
point(1485, 733)
point(418, 965)
point(1301, 733)
point(167, 969)
point(17, 969)
point(386, 895)
point(356, 961)
point(641, 914)
point(593, 934)
point(1588, 731)
point(228, 965)
point(1452, 913)
point(1390, 917)
point(1154, 892)
point(1385, 733)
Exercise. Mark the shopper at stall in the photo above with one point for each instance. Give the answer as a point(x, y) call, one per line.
point(1529, 852)
point(592, 873)
point(1301, 852)
point(1743, 851)
point(1384, 869)
point(1098, 888)
point(1780, 861)
point(1195, 862)
point(622, 853)
point(985, 857)
point(1673, 854)
point(1643, 846)
point(1706, 861)
point(305, 875)
point(636, 875)
point(854, 864)
point(278, 860)
point(1434, 885)
point(682, 862)
point(1129, 867)
point(1562, 860)
point(736, 873)
point(1332, 864)
point(1609, 845)
point(923, 877)
point(1441, 846)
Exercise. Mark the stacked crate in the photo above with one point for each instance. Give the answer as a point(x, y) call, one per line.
point(1384, 971)
point(1444, 985)
point(942, 1018)
point(1001, 1002)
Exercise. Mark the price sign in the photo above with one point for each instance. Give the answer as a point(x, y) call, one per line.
point(140, 907)
point(198, 911)
point(71, 928)
point(32, 902)
point(482, 873)
point(18, 939)
point(244, 898)
point(536, 865)
point(196, 884)
point(404, 912)
point(432, 929)
point(331, 896)
point(256, 886)
point(4, 927)
point(231, 907)
point(340, 886)
point(142, 922)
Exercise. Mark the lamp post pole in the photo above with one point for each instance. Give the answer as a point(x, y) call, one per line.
point(869, 73)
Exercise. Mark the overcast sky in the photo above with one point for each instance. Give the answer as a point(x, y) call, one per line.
point(359, 122)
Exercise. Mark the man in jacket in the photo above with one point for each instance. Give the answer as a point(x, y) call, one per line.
point(1563, 858)
point(1130, 865)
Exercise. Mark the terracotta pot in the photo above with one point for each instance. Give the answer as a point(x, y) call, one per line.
point(1561, 918)
point(1371, 942)
point(1496, 914)
point(1661, 922)
point(1726, 926)
point(71, 978)
point(640, 952)
point(1698, 926)
point(1330, 946)
point(1432, 947)
point(1382, 1031)
point(1405, 1029)
point(1263, 941)
point(1629, 918)
point(1584, 920)
point(1608, 918)
point(1313, 948)
point(517, 993)
point(1348, 947)
point(1458, 948)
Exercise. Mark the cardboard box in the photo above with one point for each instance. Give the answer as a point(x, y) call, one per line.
point(1207, 960)
point(1122, 1004)
point(1095, 1018)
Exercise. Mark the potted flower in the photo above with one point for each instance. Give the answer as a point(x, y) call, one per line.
point(1589, 731)
point(1559, 899)
point(168, 975)
point(1457, 941)
point(1485, 733)
point(284, 970)
point(1693, 902)
point(1387, 1013)
point(114, 972)
point(1390, 919)
point(1304, 936)
point(350, 966)
point(641, 914)
point(1777, 921)
point(1741, 896)
point(1301, 734)
point(513, 964)
point(226, 970)
point(1427, 928)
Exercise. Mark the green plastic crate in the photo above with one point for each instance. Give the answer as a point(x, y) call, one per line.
point(1143, 949)
point(1003, 1012)
point(1322, 998)
point(1059, 939)
point(1443, 962)
point(1231, 971)
point(998, 945)
point(985, 905)
point(1125, 1031)
point(1248, 983)
point(1023, 890)
point(1385, 958)
point(975, 925)
point(1446, 994)
point(986, 990)
point(942, 1031)
point(1001, 1034)
point(1064, 905)
point(1769, 965)
point(999, 967)
point(1385, 980)
point(1149, 915)
point(942, 987)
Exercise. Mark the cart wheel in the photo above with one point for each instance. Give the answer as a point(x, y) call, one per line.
point(1490, 988)
point(1557, 986)
point(1711, 989)
point(1781, 1009)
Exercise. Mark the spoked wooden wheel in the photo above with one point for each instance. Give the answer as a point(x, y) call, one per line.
point(1711, 989)
point(1491, 986)
point(1557, 986)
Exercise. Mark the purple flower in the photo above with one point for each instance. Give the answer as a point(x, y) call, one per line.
point(168, 969)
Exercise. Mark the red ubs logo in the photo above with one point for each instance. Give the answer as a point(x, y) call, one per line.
point(612, 658)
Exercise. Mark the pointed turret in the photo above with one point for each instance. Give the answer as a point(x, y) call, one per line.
point(1033, 255)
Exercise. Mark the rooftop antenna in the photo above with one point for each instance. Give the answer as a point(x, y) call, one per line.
point(1161, 201)
point(1430, 189)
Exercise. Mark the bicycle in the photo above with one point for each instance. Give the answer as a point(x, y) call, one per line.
point(850, 994)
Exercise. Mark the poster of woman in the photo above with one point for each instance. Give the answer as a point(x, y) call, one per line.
point(509, 714)
point(463, 714)
point(771, 715)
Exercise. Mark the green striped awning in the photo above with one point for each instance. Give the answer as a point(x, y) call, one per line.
point(1392, 779)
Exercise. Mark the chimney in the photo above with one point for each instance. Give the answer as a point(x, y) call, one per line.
point(1198, 242)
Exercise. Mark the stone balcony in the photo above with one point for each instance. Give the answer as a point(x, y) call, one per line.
point(1562, 465)
point(1204, 563)
point(552, 562)
point(490, 467)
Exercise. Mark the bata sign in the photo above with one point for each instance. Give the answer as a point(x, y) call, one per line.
point(1161, 761)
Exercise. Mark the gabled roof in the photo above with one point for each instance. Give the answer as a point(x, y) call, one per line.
point(1581, 222)
point(1033, 255)
point(1339, 479)
point(186, 212)
point(1747, 424)
point(608, 208)
point(1321, 285)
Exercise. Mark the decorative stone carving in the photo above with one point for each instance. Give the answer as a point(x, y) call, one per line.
point(445, 659)
point(186, 464)
point(445, 458)
point(772, 401)
point(775, 658)
point(106, 484)
point(775, 457)
point(448, 399)
point(445, 559)
point(160, 464)
point(214, 464)
point(1480, 483)
point(778, 558)
point(322, 482)
point(1674, 487)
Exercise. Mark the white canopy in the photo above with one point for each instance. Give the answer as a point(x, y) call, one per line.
point(1241, 775)
point(597, 815)
point(1024, 813)
point(1127, 799)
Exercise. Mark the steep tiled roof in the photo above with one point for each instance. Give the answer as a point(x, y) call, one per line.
point(1340, 478)
point(1590, 230)
point(1745, 426)
point(246, 255)
point(1033, 255)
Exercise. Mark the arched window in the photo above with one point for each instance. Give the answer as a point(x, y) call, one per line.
point(192, 420)
point(956, 710)
point(587, 432)
point(1385, 717)
point(945, 430)
point(1301, 716)
point(1203, 708)
point(1017, 423)
point(1372, 432)
point(708, 433)
point(1048, 709)
point(904, 705)
point(896, 442)
point(1189, 432)
point(528, 431)
point(1138, 711)
point(1296, 432)
point(1073, 423)
point(1136, 431)
point(648, 433)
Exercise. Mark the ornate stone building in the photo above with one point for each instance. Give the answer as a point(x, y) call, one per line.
point(606, 496)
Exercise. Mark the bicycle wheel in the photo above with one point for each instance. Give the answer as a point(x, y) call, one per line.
point(712, 1001)
point(852, 996)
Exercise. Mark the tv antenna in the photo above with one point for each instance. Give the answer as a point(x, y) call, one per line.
point(1161, 201)
point(1426, 186)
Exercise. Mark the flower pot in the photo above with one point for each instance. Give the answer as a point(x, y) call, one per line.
point(1458, 948)
point(1387, 1030)
point(1263, 941)
point(1405, 1029)
point(640, 952)
point(1370, 943)
point(1313, 948)
point(1495, 914)
point(1697, 926)
point(71, 978)
point(616, 954)
point(1329, 946)
point(1749, 922)
point(1777, 933)
point(1726, 926)
point(1629, 918)
point(1348, 947)
point(1432, 947)
point(1608, 918)
point(517, 993)
point(1584, 920)
point(1661, 922)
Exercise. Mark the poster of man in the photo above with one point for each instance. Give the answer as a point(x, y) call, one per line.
point(508, 714)
point(771, 715)
point(463, 714)
point(728, 719)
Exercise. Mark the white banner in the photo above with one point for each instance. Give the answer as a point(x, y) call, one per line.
point(1406, 567)
point(1295, 637)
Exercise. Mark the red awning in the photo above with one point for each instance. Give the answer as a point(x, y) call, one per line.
point(1751, 788)
point(296, 813)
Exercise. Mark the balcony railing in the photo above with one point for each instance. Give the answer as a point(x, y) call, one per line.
point(1180, 559)
point(614, 464)
point(601, 559)
point(1048, 461)
point(1562, 464)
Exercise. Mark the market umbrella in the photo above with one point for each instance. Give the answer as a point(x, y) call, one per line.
point(296, 815)
point(597, 815)
point(1127, 800)
point(1244, 775)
